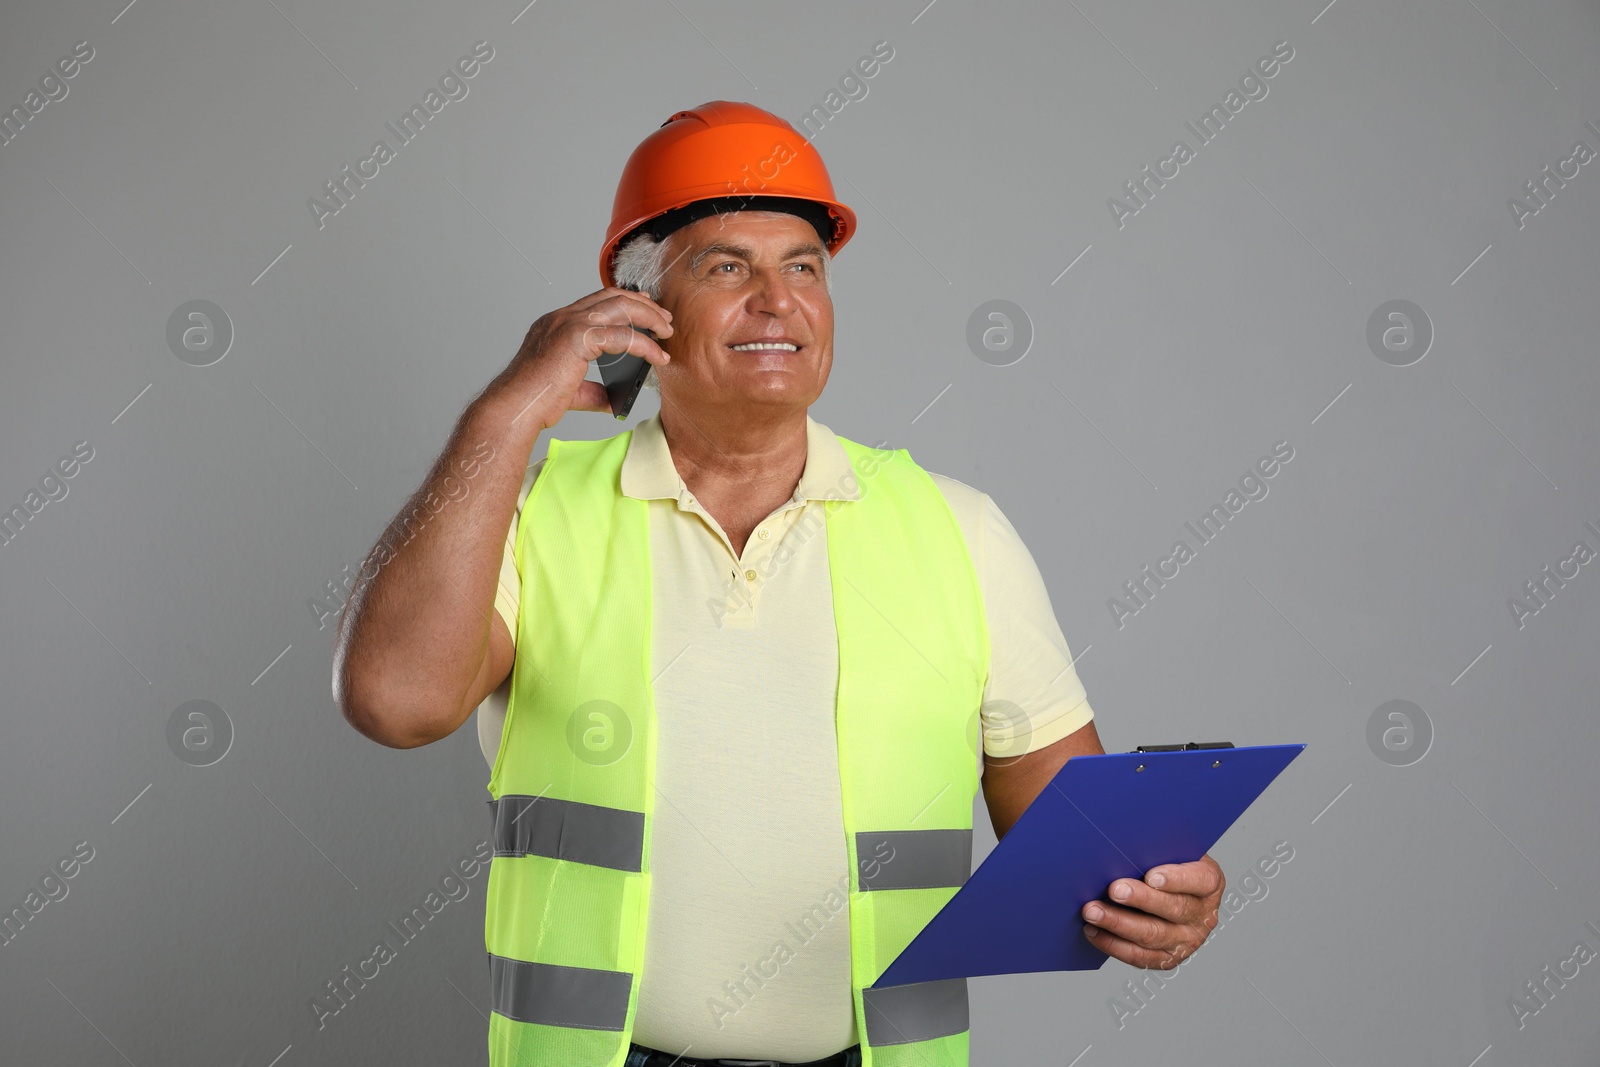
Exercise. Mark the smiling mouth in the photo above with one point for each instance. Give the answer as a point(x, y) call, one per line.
point(766, 346)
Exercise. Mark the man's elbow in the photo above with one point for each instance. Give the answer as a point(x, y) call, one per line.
point(389, 722)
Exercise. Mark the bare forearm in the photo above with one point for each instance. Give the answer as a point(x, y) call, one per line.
point(415, 632)
point(1011, 784)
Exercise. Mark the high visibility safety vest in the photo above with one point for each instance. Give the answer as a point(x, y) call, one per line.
point(573, 786)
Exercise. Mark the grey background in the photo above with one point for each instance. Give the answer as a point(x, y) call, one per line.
point(1229, 314)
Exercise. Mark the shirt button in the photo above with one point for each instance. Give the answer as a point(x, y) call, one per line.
point(763, 533)
point(750, 575)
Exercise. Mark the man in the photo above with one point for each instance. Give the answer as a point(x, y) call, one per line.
point(734, 677)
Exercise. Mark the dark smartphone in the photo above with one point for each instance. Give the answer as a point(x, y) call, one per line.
point(623, 374)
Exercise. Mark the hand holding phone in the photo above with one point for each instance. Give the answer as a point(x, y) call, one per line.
point(623, 374)
point(547, 377)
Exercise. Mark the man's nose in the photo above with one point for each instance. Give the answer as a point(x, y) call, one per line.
point(773, 293)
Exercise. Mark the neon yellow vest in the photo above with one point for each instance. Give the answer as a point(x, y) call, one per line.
point(573, 785)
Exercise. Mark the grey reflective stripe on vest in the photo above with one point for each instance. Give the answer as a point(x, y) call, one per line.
point(921, 1011)
point(914, 859)
point(558, 996)
point(568, 830)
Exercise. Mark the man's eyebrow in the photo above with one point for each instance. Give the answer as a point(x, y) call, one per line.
point(806, 248)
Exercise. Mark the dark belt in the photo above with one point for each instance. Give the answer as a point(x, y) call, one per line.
point(850, 1057)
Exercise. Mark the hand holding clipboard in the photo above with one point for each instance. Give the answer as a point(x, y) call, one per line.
point(1101, 818)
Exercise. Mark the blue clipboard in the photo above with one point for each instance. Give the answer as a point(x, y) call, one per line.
point(1099, 819)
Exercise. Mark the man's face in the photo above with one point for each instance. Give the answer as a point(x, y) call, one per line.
point(739, 278)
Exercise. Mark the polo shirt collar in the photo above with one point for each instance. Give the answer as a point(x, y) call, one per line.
point(648, 472)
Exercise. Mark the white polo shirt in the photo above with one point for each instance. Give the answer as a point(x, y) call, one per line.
point(748, 831)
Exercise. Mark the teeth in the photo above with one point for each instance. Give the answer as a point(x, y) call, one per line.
point(756, 346)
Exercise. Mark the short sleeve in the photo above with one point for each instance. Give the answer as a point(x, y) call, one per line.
point(1033, 697)
point(508, 592)
point(507, 598)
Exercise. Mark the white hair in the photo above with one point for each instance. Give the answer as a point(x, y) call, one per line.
point(640, 264)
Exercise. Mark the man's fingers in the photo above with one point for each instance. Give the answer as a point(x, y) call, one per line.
point(612, 293)
point(621, 340)
point(627, 307)
point(1127, 951)
point(1135, 926)
point(1173, 907)
point(652, 318)
point(1201, 878)
point(1156, 927)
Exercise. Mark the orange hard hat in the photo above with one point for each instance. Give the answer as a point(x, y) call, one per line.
point(722, 156)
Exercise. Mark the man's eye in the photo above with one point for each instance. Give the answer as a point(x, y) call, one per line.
point(719, 266)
